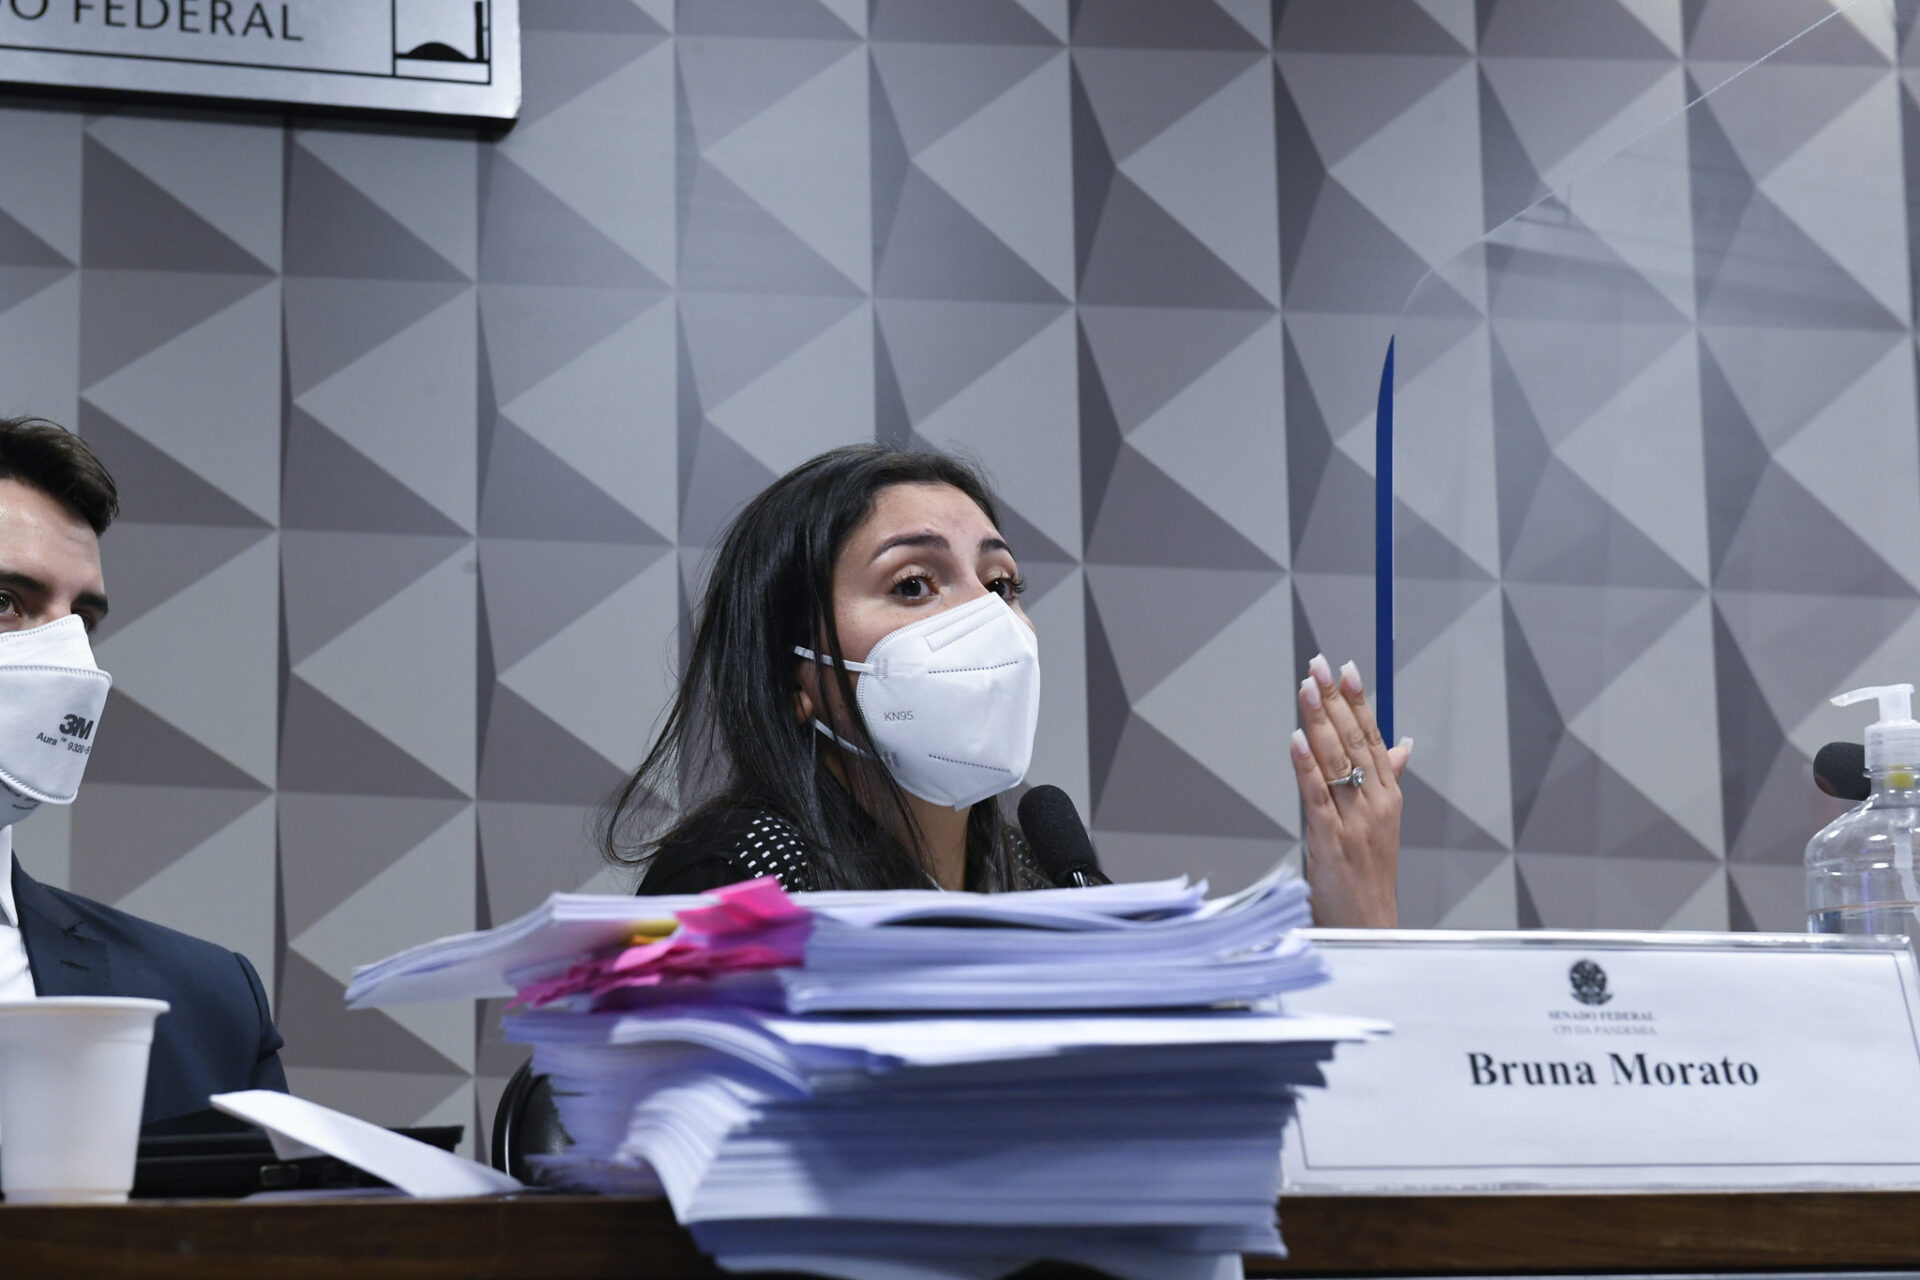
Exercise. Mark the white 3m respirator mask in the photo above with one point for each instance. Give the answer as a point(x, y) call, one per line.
point(51, 695)
point(951, 701)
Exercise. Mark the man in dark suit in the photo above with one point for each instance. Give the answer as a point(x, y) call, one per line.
point(219, 1034)
point(56, 499)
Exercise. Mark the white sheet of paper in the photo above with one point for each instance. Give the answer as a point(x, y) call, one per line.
point(301, 1128)
point(926, 1042)
point(1676, 1060)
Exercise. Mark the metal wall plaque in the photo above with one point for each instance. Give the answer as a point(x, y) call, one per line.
point(440, 57)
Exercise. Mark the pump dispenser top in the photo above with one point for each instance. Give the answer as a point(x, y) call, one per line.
point(1893, 739)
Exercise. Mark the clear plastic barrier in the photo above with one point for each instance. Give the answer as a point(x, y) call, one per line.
point(1656, 496)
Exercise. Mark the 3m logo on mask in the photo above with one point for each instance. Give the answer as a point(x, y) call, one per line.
point(76, 726)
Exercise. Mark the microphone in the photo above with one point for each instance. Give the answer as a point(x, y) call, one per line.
point(1839, 769)
point(1059, 839)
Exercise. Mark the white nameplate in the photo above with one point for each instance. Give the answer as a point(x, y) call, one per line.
point(443, 57)
point(1607, 1060)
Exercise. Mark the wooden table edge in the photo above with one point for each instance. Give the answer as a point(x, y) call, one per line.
point(587, 1237)
point(1595, 1231)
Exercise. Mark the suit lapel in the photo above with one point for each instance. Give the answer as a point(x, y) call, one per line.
point(65, 958)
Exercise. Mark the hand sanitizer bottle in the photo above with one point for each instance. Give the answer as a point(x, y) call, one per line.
point(1860, 872)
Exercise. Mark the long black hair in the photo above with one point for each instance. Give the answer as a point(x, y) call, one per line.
point(732, 738)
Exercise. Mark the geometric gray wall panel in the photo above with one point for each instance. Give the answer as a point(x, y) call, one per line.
point(425, 435)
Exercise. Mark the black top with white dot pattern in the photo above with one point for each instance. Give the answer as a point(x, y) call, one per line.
point(727, 846)
point(730, 845)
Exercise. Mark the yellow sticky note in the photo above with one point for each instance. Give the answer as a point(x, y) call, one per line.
point(653, 930)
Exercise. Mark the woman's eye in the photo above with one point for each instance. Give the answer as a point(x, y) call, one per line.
point(914, 588)
point(7, 603)
point(1007, 588)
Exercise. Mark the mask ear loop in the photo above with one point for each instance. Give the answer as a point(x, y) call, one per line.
point(843, 667)
point(813, 722)
point(846, 695)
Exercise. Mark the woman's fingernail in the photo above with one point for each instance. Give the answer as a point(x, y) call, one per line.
point(1350, 677)
point(1300, 743)
point(1406, 744)
point(1311, 692)
point(1321, 671)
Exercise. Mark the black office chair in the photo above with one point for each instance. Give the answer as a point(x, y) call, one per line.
point(526, 1123)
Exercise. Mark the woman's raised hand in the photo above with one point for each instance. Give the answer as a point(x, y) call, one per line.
point(1349, 800)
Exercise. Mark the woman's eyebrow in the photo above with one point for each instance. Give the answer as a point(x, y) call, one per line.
point(933, 540)
point(938, 543)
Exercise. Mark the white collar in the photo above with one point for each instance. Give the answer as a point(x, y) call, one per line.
point(7, 909)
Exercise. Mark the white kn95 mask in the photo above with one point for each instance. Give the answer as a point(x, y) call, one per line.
point(951, 701)
point(51, 695)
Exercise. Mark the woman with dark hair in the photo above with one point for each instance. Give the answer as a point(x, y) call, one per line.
point(863, 683)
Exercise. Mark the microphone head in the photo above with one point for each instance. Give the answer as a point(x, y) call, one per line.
point(1059, 839)
point(1840, 770)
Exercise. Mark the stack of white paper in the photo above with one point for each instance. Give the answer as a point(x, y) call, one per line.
point(569, 925)
point(856, 1082)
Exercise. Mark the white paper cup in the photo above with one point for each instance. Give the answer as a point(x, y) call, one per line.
point(73, 1077)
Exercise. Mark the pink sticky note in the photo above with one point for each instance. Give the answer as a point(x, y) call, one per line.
point(750, 926)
